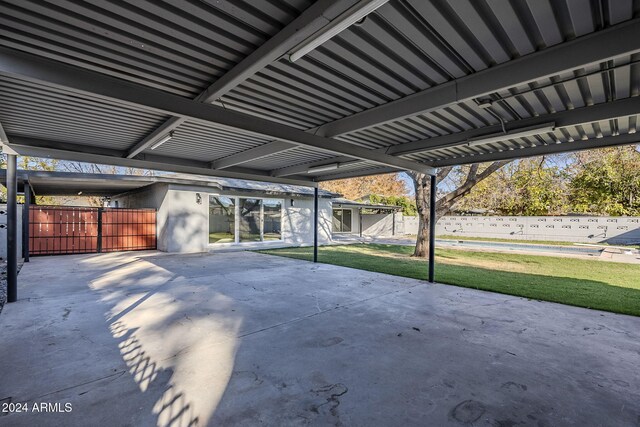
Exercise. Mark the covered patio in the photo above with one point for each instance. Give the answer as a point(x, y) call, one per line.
point(300, 92)
point(179, 340)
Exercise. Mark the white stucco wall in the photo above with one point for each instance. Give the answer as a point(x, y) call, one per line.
point(183, 224)
point(375, 225)
point(382, 225)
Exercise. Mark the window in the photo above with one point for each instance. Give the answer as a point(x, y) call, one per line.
point(341, 221)
point(244, 219)
point(222, 224)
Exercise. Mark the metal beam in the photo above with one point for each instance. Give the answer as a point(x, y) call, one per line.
point(605, 111)
point(12, 228)
point(433, 192)
point(303, 168)
point(543, 150)
point(162, 130)
point(620, 108)
point(438, 96)
point(82, 153)
point(311, 20)
point(3, 136)
point(14, 63)
point(355, 174)
point(252, 154)
point(315, 224)
point(621, 39)
point(25, 220)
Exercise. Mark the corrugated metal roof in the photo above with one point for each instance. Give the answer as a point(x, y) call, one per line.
point(290, 157)
point(594, 130)
point(177, 46)
point(405, 47)
point(207, 142)
point(409, 45)
point(31, 110)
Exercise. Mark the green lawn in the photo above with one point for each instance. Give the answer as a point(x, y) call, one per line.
point(585, 283)
point(221, 238)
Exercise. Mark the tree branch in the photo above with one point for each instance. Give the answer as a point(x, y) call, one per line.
point(473, 178)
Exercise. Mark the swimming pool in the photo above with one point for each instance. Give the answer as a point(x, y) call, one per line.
point(527, 247)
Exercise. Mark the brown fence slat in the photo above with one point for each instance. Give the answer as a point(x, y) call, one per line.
point(57, 230)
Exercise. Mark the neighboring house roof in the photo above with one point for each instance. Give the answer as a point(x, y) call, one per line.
point(367, 197)
point(53, 183)
point(342, 202)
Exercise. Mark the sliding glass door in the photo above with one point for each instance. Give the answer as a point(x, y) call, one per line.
point(222, 219)
point(244, 219)
point(250, 221)
point(272, 219)
point(341, 221)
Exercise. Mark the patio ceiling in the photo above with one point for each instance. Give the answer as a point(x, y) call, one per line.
point(417, 85)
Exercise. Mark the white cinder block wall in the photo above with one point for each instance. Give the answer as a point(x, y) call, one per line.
point(579, 229)
point(183, 224)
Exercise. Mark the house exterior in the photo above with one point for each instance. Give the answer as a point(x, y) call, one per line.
point(224, 214)
point(205, 214)
point(353, 218)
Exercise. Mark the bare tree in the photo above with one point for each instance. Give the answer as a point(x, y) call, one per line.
point(446, 202)
point(102, 169)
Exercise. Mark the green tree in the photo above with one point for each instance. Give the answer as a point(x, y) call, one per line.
point(606, 182)
point(408, 206)
point(536, 186)
point(353, 188)
point(28, 163)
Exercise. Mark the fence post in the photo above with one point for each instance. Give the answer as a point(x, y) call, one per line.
point(99, 230)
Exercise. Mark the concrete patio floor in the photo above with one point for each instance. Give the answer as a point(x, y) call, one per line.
point(147, 339)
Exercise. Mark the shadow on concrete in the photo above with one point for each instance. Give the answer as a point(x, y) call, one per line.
point(631, 237)
point(222, 339)
point(166, 326)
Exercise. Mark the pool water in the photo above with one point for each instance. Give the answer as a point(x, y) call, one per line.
point(527, 247)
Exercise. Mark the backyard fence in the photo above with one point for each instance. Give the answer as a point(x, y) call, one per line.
point(579, 229)
point(57, 230)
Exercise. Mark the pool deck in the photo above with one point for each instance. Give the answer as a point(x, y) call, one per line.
point(607, 255)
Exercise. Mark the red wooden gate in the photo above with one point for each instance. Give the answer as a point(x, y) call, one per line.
point(62, 230)
point(57, 230)
point(128, 229)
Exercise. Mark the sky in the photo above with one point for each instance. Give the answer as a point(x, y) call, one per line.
point(409, 183)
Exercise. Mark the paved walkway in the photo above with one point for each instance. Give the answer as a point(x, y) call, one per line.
point(149, 339)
